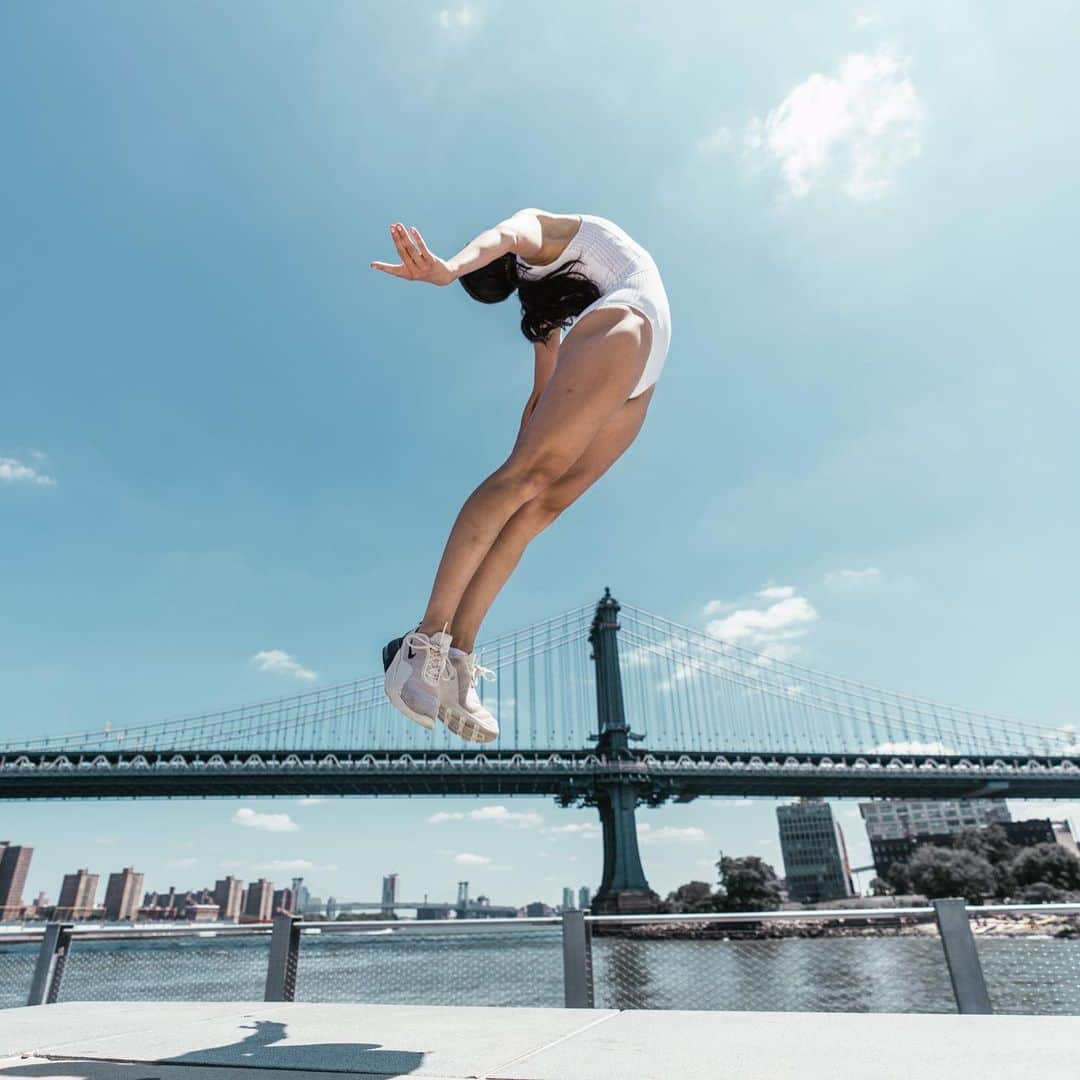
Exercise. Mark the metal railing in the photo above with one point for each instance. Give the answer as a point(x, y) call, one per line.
point(933, 962)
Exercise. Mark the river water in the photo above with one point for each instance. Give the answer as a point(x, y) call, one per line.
point(524, 968)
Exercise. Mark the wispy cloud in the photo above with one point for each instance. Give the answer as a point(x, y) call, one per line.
point(252, 819)
point(279, 662)
point(853, 579)
point(854, 129)
point(183, 863)
point(587, 830)
point(459, 20)
point(863, 19)
point(772, 629)
point(293, 866)
point(670, 834)
point(500, 814)
point(467, 858)
point(311, 800)
point(14, 471)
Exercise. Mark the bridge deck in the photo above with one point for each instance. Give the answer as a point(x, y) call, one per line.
point(106, 1041)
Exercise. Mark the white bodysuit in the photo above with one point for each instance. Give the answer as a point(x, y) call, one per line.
point(626, 275)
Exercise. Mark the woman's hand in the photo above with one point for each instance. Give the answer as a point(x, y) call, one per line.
point(417, 262)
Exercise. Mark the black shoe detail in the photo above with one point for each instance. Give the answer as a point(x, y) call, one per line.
point(390, 650)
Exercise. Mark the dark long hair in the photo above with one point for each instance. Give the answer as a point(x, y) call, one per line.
point(546, 303)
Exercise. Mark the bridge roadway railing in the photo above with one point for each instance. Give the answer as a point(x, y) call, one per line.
point(939, 958)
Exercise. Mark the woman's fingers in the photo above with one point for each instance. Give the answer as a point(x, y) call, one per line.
point(425, 254)
point(405, 247)
point(397, 269)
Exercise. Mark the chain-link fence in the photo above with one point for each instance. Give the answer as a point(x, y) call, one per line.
point(849, 972)
point(16, 970)
point(935, 959)
point(188, 968)
point(423, 965)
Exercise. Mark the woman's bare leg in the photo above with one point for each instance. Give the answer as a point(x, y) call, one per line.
point(610, 443)
point(599, 364)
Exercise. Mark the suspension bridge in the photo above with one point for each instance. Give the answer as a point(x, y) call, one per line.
point(608, 706)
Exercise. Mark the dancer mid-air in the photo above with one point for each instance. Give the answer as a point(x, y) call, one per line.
point(590, 393)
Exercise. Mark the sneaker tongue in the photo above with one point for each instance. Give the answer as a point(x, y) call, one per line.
point(441, 640)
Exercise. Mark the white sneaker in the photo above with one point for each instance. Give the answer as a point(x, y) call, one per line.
point(419, 675)
point(463, 712)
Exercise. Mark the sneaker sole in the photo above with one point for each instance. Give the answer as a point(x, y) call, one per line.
point(391, 662)
point(464, 727)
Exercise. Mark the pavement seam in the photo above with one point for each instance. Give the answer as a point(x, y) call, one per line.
point(495, 1073)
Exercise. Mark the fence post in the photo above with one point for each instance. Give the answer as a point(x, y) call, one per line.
point(961, 955)
point(284, 957)
point(577, 961)
point(49, 969)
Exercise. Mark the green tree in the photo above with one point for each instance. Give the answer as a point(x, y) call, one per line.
point(747, 884)
point(694, 896)
point(879, 887)
point(938, 872)
point(1047, 864)
point(1041, 893)
point(991, 842)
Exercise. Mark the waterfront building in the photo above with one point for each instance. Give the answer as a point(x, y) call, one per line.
point(77, 894)
point(584, 898)
point(462, 895)
point(815, 855)
point(284, 902)
point(568, 898)
point(896, 827)
point(228, 895)
point(538, 909)
point(122, 895)
point(14, 866)
point(331, 907)
point(1028, 833)
point(259, 904)
point(302, 895)
point(389, 893)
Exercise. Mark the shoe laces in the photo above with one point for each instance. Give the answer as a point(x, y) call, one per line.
point(436, 662)
point(477, 670)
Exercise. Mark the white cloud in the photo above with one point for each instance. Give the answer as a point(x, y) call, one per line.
point(281, 663)
point(776, 592)
point(771, 629)
point(911, 748)
point(252, 819)
point(459, 20)
point(864, 19)
point(670, 834)
point(500, 814)
point(294, 865)
point(467, 858)
point(13, 471)
point(311, 800)
point(856, 129)
point(183, 863)
point(853, 579)
point(587, 830)
point(717, 607)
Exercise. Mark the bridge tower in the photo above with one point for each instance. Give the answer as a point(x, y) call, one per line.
point(623, 887)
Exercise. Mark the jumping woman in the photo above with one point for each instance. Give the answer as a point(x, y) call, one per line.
point(590, 393)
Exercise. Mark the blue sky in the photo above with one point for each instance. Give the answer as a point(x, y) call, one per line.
point(222, 434)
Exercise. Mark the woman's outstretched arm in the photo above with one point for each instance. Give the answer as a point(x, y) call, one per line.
point(546, 355)
point(520, 234)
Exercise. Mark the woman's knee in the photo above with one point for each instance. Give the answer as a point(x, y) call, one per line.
point(532, 475)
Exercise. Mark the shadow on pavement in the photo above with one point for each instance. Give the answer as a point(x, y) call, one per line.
point(263, 1048)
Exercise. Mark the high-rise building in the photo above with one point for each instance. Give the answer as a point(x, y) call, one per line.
point(584, 898)
point(284, 902)
point(229, 895)
point(462, 894)
point(815, 855)
point(1063, 834)
point(331, 907)
point(77, 894)
point(302, 894)
point(389, 893)
point(260, 900)
point(122, 895)
point(567, 898)
point(14, 866)
point(895, 827)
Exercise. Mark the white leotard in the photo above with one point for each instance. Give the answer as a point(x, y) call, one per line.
point(626, 275)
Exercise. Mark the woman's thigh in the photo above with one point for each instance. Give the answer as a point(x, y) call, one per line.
point(607, 446)
point(599, 364)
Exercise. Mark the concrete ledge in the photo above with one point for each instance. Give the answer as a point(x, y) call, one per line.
point(167, 1041)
